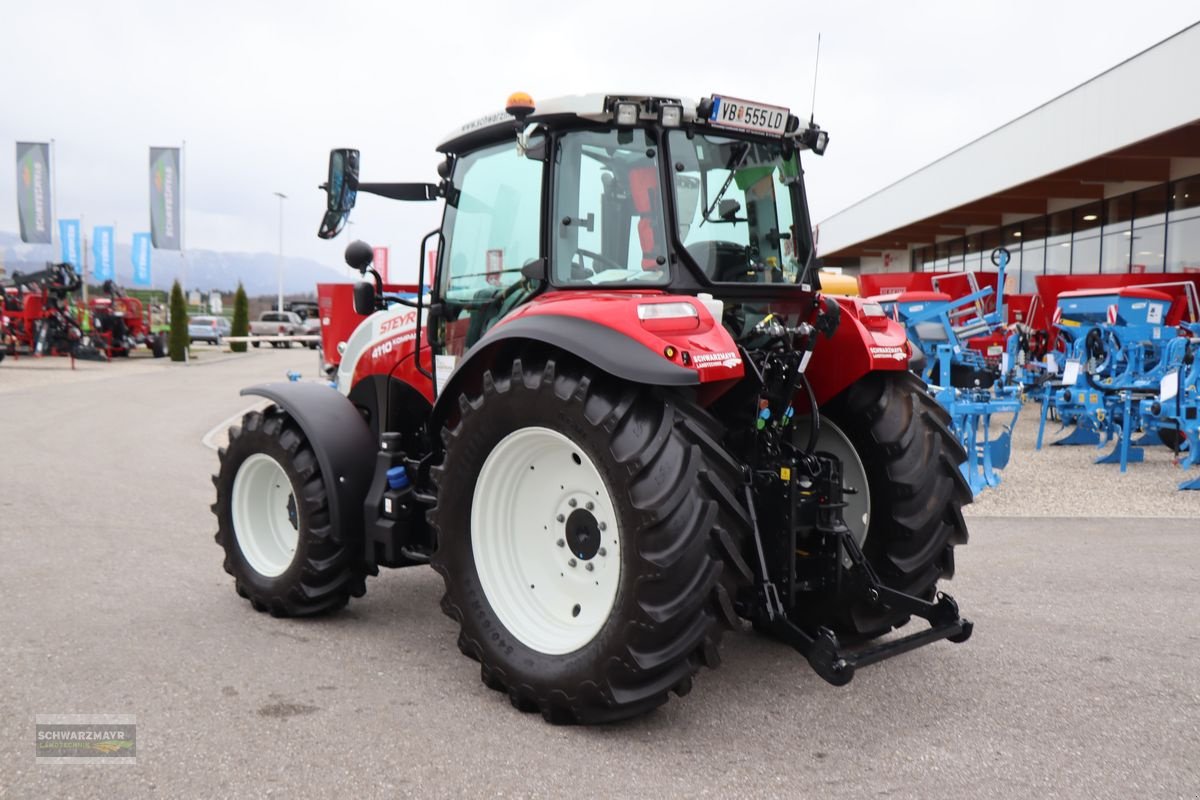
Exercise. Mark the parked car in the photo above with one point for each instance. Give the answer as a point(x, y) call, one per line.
point(277, 323)
point(208, 329)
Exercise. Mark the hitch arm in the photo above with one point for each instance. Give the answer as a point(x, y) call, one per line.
point(836, 664)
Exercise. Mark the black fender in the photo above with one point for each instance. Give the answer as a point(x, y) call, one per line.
point(597, 344)
point(340, 439)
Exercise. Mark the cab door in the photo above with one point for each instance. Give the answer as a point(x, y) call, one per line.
point(492, 228)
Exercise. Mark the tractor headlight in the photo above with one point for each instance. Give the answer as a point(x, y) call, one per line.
point(670, 115)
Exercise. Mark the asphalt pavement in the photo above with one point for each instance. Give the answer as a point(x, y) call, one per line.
point(1082, 678)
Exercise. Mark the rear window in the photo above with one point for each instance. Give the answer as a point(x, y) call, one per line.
point(202, 320)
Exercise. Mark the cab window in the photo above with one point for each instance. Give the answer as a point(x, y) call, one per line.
point(608, 212)
point(492, 229)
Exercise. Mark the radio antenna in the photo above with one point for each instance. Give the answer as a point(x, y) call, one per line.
point(816, 65)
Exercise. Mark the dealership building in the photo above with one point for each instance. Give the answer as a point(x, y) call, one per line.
point(1102, 179)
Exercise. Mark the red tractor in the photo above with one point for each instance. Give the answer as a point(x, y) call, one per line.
point(121, 324)
point(623, 420)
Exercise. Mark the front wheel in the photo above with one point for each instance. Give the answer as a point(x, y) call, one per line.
point(589, 533)
point(899, 453)
point(273, 521)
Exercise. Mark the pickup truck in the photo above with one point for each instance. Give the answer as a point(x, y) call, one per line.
point(277, 323)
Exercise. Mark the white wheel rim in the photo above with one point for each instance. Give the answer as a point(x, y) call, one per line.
point(832, 440)
point(263, 508)
point(532, 504)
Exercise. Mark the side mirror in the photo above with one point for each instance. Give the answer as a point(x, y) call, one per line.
point(728, 209)
point(341, 191)
point(364, 298)
point(359, 255)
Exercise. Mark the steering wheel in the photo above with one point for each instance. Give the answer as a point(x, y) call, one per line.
point(597, 257)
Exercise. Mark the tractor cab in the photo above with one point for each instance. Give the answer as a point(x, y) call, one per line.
point(609, 192)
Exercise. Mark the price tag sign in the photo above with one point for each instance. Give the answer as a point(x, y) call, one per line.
point(1051, 364)
point(1169, 386)
point(1071, 372)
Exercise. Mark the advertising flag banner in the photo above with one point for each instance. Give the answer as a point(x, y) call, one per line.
point(102, 252)
point(68, 234)
point(380, 262)
point(33, 192)
point(141, 259)
point(165, 230)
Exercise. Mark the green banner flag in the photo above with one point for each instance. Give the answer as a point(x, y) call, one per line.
point(33, 192)
point(165, 230)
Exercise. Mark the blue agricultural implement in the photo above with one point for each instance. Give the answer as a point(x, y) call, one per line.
point(969, 382)
point(1130, 367)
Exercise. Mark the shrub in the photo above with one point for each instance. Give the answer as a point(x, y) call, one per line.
point(178, 342)
point(241, 319)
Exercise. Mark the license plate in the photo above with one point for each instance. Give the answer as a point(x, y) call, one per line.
point(730, 112)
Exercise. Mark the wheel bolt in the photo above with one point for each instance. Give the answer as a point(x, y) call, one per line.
point(572, 502)
point(602, 552)
point(561, 518)
point(590, 566)
point(589, 505)
point(561, 543)
point(572, 563)
point(603, 527)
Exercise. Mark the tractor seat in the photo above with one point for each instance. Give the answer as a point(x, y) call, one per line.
point(722, 261)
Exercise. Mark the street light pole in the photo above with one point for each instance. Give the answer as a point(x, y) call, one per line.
point(281, 197)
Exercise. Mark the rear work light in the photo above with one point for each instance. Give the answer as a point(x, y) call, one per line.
point(873, 316)
point(666, 310)
point(626, 115)
point(677, 316)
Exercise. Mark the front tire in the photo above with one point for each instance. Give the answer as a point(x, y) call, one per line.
point(273, 521)
point(656, 515)
point(911, 460)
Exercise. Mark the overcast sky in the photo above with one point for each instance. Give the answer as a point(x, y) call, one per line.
point(261, 90)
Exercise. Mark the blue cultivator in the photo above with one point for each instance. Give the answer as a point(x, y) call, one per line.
point(1131, 367)
point(969, 384)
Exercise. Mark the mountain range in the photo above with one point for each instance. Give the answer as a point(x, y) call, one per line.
point(206, 269)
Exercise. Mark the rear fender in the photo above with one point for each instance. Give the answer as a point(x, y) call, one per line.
point(604, 329)
point(340, 440)
point(854, 350)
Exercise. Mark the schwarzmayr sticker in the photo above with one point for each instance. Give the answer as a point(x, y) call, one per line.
point(85, 739)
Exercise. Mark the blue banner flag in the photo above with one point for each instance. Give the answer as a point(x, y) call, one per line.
point(68, 234)
point(102, 252)
point(141, 259)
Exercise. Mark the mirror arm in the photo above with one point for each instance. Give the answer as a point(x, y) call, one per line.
point(401, 191)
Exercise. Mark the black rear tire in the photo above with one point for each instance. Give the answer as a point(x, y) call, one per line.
point(681, 525)
point(325, 571)
point(917, 492)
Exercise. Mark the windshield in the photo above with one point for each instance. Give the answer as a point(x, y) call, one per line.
point(740, 207)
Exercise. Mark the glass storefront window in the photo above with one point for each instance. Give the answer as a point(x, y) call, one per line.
point(1148, 249)
point(1185, 198)
point(1183, 244)
point(1058, 255)
point(1114, 249)
point(1150, 206)
point(1085, 255)
point(956, 255)
point(1032, 262)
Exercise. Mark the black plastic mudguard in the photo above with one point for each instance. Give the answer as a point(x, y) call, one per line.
point(340, 439)
point(593, 342)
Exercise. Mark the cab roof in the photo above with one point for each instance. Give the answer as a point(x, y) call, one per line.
point(498, 125)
